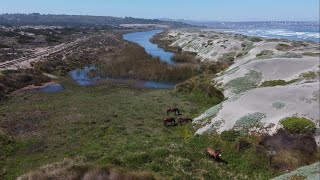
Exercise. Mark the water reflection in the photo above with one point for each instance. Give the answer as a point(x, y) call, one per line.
point(143, 39)
point(87, 76)
point(51, 88)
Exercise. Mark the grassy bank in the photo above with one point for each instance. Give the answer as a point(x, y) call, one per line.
point(185, 57)
point(11, 80)
point(118, 126)
point(165, 44)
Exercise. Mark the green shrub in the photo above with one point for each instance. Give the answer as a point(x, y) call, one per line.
point(298, 44)
point(283, 47)
point(277, 40)
point(309, 75)
point(4, 139)
point(298, 125)
point(278, 105)
point(246, 47)
point(228, 56)
point(4, 46)
point(25, 39)
point(314, 54)
point(241, 54)
point(230, 135)
point(242, 84)
point(53, 39)
point(291, 55)
point(278, 82)
point(273, 40)
point(264, 54)
point(273, 83)
point(250, 120)
point(255, 39)
point(247, 44)
point(184, 57)
point(242, 145)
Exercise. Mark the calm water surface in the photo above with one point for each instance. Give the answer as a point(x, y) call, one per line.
point(51, 88)
point(143, 39)
point(82, 77)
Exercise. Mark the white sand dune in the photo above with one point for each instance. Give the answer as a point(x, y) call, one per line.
point(272, 69)
point(275, 103)
point(211, 45)
point(248, 105)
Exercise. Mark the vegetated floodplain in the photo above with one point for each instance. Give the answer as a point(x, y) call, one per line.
point(121, 126)
point(116, 125)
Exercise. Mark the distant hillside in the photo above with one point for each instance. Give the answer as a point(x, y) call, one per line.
point(77, 20)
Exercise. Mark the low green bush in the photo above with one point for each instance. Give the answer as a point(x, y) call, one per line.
point(291, 55)
point(4, 46)
point(298, 125)
point(309, 75)
point(184, 57)
point(283, 47)
point(230, 135)
point(264, 53)
point(4, 139)
point(250, 121)
point(245, 83)
point(242, 145)
point(246, 47)
point(228, 56)
point(22, 39)
point(278, 82)
point(255, 39)
point(247, 44)
point(298, 44)
point(314, 54)
point(53, 39)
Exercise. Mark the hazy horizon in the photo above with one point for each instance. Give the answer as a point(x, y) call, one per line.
point(203, 10)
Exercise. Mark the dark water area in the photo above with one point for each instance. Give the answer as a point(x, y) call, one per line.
point(156, 85)
point(87, 77)
point(51, 88)
point(143, 39)
point(81, 76)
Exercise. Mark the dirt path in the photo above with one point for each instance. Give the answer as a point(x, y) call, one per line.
point(25, 62)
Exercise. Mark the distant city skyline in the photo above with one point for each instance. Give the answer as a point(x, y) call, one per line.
point(201, 10)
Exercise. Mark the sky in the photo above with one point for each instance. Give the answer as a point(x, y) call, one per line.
point(201, 10)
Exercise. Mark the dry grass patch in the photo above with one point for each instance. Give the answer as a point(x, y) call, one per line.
point(71, 169)
point(134, 63)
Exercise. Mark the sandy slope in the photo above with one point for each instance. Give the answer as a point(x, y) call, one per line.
point(211, 45)
point(249, 106)
point(301, 100)
point(310, 172)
